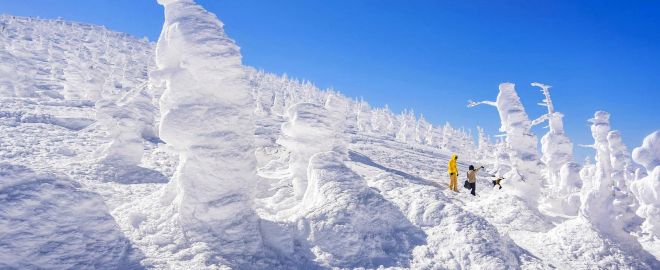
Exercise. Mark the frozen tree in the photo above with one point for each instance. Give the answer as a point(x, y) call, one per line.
point(438, 136)
point(484, 147)
point(621, 161)
point(448, 138)
point(207, 117)
point(379, 120)
point(625, 203)
point(364, 116)
point(408, 123)
point(421, 130)
point(562, 173)
point(429, 135)
point(524, 176)
point(263, 100)
point(372, 229)
point(128, 121)
point(278, 106)
point(556, 147)
point(310, 130)
point(596, 192)
point(470, 148)
point(502, 163)
point(647, 188)
point(603, 203)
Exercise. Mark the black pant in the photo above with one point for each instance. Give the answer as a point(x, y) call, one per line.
point(473, 186)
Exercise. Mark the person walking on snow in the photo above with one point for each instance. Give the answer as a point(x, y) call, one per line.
point(453, 173)
point(472, 179)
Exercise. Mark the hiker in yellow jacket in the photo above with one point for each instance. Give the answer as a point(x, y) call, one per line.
point(453, 173)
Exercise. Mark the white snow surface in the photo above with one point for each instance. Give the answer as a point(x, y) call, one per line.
point(117, 153)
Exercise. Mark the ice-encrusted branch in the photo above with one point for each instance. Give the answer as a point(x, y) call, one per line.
point(485, 102)
point(541, 119)
point(547, 102)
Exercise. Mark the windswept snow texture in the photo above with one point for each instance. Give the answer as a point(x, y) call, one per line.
point(119, 154)
point(47, 222)
point(350, 224)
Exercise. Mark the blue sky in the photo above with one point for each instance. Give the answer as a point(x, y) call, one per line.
point(433, 56)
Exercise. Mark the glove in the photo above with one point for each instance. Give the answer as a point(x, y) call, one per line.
point(482, 167)
point(451, 174)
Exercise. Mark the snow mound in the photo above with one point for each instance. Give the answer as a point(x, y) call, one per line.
point(50, 222)
point(575, 244)
point(349, 224)
point(455, 238)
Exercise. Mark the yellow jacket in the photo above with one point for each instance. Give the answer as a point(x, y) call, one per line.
point(452, 165)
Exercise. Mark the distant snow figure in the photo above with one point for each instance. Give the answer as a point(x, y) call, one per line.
point(207, 117)
point(522, 143)
point(647, 188)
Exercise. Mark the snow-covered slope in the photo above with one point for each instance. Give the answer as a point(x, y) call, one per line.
point(116, 153)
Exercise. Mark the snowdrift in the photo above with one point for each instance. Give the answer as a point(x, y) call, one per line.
point(51, 222)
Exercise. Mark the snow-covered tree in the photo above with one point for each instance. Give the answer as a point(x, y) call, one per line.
point(484, 148)
point(408, 123)
point(429, 135)
point(364, 116)
point(502, 162)
point(421, 130)
point(609, 208)
point(208, 120)
point(561, 172)
point(524, 176)
point(393, 124)
point(448, 138)
point(128, 121)
point(310, 130)
point(620, 157)
point(647, 188)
